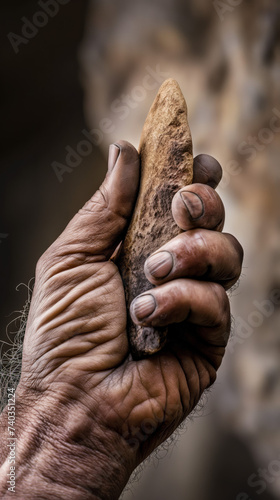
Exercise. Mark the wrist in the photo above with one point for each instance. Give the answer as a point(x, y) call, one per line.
point(61, 452)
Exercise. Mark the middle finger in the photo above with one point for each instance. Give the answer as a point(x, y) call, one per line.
point(198, 205)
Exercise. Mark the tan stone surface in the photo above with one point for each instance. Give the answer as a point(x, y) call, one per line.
point(166, 166)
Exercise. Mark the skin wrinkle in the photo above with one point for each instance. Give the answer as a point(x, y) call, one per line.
point(186, 294)
point(135, 404)
point(84, 329)
point(196, 346)
point(82, 318)
point(105, 206)
point(91, 346)
point(92, 245)
point(141, 380)
point(79, 453)
point(75, 272)
point(202, 244)
point(190, 248)
point(98, 372)
point(223, 301)
point(201, 255)
point(149, 397)
point(75, 401)
point(200, 373)
point(63, 342)
point(62, 259)
point(186, 381)
point(119, 418)
point(128, 390)
point(197, 375)
point(82, 355)
point(61, 365)
point(68, 432)
point(183, 393)
point(122, 421)
point(68, 349)
point(165, 386)
point(182, 372)
point(73, 295)
point(102, 191)
point(102, 268)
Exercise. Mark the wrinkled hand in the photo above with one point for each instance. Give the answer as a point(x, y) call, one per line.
point(77, 370)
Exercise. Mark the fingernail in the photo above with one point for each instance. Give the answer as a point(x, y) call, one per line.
point(143, 306)
point(193, 204)
point(160, 264)
point(114, 152)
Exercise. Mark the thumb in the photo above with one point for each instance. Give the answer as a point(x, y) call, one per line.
point(100, 225)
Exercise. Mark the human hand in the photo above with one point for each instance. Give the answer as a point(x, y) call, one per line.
point(88, 413)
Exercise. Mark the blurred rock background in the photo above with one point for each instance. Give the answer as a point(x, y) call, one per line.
point(225, 56)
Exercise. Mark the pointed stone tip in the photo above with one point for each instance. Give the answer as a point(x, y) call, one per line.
point(170, 83)
point(169, 98)
point(168, 104)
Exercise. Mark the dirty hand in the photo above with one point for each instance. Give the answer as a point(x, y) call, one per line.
point(87, 414)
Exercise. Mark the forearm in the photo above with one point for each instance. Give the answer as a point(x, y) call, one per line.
point(55, 459)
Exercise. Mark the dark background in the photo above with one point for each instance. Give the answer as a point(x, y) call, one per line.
point(42, 112)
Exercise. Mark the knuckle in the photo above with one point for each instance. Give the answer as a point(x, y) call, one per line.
point(191, 253)
point(199, 242)
point(102, 194)
point(99, 201)
point(199, 249)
